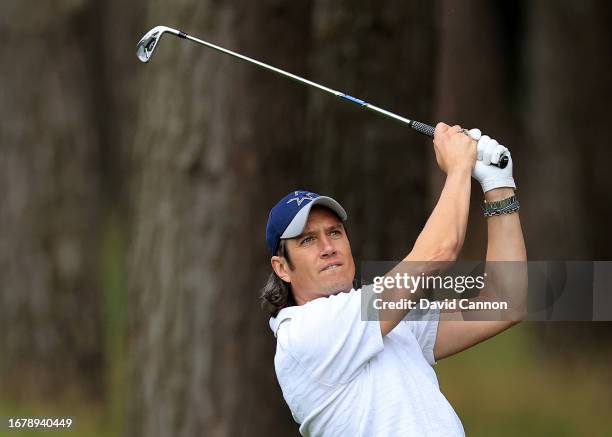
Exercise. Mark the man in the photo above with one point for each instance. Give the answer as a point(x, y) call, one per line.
point(342, 376)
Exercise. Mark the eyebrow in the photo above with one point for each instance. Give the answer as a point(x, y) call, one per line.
point(327, 229)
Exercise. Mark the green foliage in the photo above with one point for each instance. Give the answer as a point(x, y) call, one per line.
point(114, 275)
point(503, 387)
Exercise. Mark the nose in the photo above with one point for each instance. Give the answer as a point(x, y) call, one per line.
point(327, 247)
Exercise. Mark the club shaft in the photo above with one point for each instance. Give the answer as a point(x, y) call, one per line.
point(301, 80)
point(144, 51)
point(263, 65)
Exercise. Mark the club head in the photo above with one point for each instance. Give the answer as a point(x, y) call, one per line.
point(146, 45)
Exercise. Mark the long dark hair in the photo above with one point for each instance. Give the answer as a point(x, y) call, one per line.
point(276, 294)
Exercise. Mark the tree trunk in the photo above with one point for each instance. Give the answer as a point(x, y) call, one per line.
point(375, 167)
point(567, 120)
point(569, 205)
point(478, 76)
point(217, 142)
point(50, 300)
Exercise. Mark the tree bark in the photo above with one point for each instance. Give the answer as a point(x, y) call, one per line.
point(567, 120)
point(479, 73)
point(50, 299)
point(217, 142)
point(567, 123)
point(375, 167)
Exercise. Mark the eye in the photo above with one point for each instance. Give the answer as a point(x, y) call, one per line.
point(306, 240)
point(335, 233)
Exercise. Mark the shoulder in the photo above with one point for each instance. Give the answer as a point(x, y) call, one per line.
point(328, 337)
point(319, 315)
point(333, 302)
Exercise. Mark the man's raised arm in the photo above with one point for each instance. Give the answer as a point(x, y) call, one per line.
point(443, 235)
point(506, 266)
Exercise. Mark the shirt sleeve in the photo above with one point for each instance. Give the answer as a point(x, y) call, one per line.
point(424, 327)
point(329, 339)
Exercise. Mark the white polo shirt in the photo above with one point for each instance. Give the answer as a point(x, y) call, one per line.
point(341, 377)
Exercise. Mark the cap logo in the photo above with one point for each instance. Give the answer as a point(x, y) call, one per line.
point(299, 200)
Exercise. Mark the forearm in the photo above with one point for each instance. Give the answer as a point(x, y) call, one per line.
point(506, 256)
point(440, 241)
point(444, 233)
point(505, 237)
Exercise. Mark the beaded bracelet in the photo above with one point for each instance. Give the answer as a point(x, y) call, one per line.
point(504, 206)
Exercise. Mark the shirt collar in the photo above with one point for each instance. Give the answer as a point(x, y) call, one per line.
point(284, 314)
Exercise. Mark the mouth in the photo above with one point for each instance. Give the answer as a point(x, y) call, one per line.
point(332, 266)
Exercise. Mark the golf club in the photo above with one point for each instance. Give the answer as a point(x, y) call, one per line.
point(147, 44)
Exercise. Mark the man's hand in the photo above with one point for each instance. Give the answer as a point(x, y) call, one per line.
point(490, 151)
point(454, 150)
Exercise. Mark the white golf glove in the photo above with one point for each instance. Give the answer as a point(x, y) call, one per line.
point(490, 151)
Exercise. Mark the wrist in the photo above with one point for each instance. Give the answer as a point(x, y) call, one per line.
point(499, 194)
point(460, 170)
point(506, 205)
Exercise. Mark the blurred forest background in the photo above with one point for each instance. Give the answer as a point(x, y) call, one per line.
point(134, 197)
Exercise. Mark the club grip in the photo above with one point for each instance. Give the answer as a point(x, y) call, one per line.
point(428, 130)
point(423, 128)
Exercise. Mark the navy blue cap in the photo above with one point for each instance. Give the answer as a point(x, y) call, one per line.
point(289, 216)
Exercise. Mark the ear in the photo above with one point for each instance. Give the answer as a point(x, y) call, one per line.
point(281, 268)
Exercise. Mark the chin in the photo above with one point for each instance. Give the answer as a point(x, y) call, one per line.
point(340, 287)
